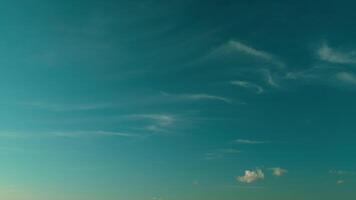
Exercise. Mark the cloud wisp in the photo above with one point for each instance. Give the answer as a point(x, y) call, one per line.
point(251, 176)
point(346, 77)
point(342, 172)
point(220, 154)
point(248, 85)
point(85, 134)
point(156, 122)
point(245, 141)
point(198, 97)
point(239, 47)
point(67, 107)
point(328, 54)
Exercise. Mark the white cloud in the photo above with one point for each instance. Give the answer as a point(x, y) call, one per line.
point(269, 79)
point(277, 171)
point(244, 141)
point(220, 153)
point(339, 182)
point(199, 96)
point(80, 134)
point(248, 85)
point(159, 119)
point(67, 107)
point(243, 48)
point(328, 54)
point(342, 172)
point(346, 77)
point(159, 123)
point(251, 176)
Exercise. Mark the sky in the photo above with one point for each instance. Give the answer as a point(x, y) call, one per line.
point(177, 99)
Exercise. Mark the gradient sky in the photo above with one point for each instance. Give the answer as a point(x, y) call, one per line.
point(177, 100)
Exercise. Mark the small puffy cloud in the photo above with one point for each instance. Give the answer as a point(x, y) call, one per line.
point(251, 176)
point(339, 182)
point(277, 171)
point(328, 54)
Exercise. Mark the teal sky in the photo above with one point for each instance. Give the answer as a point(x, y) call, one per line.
point(177, 100)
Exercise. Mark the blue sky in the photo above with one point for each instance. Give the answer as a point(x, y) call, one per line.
point(172, 100)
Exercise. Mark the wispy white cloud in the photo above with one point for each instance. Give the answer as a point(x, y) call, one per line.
point(156, 122)
point(220, 153)
point(198, 96)
point(342, 172)
point(339, 182)
point(67, 107)
point(248, 85)
point(270, 80)
point(328, 54)
point(81, 134)
point(346, 77)
point(244, 141)
point(160, 119)
point(277, 171)
point(237, 46)
point(251, 176)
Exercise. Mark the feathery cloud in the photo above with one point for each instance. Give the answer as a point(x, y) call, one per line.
point(251, 176)
point(248, 85)
point(244, 141)
point(198, 96)
point(342, 172)
point(220, 153)
point(326, 53)
point(80, 134)
point(236, 46)
point(67, 107)
point(156, 122)
point(346, 77)
point(270, 79)
point(160, 119)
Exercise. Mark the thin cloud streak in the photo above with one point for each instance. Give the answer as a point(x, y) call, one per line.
point(244, 141)
point(67, 107)
point(198, 96)
point(248, 85)
point(237, 46)
point(220, 154)
point(81, 134)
